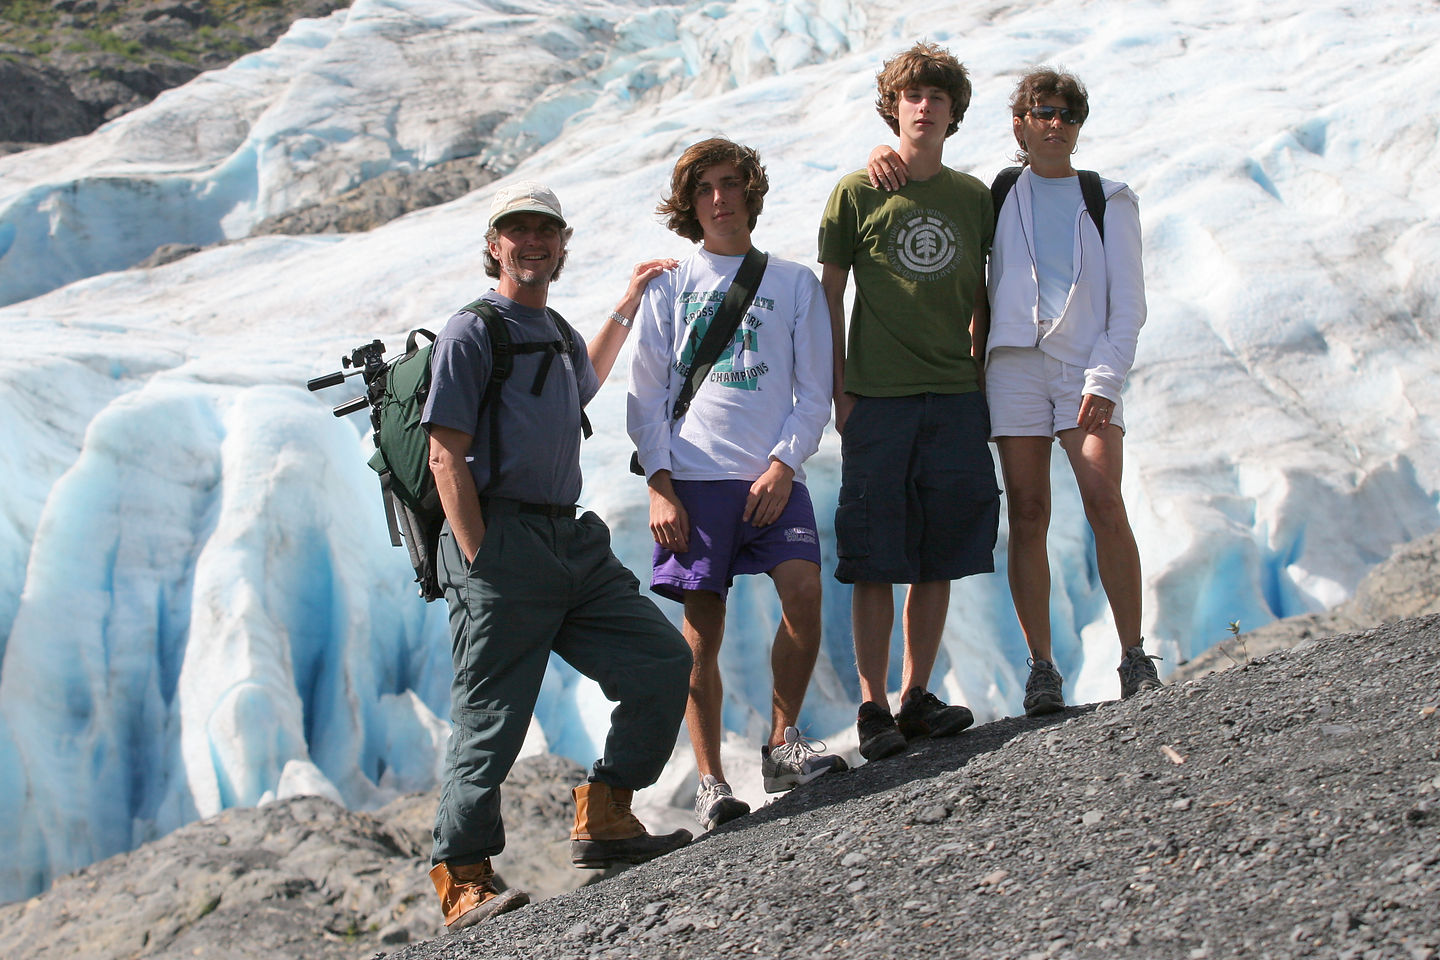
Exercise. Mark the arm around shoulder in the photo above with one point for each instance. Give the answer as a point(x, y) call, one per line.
point(606, 344)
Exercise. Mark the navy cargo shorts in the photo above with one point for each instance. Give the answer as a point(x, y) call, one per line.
point(918, 497)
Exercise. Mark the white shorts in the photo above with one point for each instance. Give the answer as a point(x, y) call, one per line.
point(1031, 394)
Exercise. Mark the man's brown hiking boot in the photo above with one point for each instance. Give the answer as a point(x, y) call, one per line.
point(607, 833)
point(468, 895)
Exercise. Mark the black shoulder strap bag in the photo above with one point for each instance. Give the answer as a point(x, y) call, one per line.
point(721, 331)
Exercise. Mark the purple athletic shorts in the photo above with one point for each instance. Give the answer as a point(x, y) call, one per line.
point(722, 546)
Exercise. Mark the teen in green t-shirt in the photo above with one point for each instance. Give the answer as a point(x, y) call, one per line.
point(918, 499)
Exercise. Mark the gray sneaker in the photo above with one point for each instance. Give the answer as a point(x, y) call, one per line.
point(1137, 671)
point(798, 760)
point(715, 804)
point(1042, 690)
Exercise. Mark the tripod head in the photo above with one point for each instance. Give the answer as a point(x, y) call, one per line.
point(367, 360)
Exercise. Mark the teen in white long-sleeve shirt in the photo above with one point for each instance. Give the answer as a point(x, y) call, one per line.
point(727, 495)
point(768, 396)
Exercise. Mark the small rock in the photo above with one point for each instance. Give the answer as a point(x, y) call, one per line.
point(934, 814)
point(1091, 817)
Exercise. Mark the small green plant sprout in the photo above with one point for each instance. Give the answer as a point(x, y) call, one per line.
point(1233, 627)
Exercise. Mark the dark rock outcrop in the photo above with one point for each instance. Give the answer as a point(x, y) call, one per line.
point(68, 66)
point(383, 198)
point(38, 105)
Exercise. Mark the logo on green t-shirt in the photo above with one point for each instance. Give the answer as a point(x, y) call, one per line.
point(924, 247)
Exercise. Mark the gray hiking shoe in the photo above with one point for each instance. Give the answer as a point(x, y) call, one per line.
point(1137, 671)
point(1042, 690)
point(798, 760)
point(715, 804)
point(879, 737)
point(925, 715)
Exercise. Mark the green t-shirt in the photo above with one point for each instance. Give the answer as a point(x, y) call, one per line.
point(918, 255)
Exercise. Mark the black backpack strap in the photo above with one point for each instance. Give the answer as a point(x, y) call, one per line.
point(572, 347)
point(1094, 196)
point(503, 351)
point(1002, 185)
point(1090, 189)
point(502, 364)
point(722, 326)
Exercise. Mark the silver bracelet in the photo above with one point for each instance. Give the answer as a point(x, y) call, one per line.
point(621, 319)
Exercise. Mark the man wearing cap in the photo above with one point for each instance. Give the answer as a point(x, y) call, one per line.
point(524, 576)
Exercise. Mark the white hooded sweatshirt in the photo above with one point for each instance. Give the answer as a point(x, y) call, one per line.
point(1103, 314)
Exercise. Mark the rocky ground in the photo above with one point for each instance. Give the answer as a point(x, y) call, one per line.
point(67, 66)
point(1289, 807)
point(1286, 808)
point(301, 878)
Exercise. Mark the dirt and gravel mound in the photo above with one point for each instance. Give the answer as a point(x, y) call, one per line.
point(1286, 808)
point(301, 878)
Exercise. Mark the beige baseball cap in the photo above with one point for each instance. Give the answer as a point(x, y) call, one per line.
point(525, 196)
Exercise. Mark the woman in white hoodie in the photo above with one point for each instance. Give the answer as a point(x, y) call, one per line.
point(1066, 307)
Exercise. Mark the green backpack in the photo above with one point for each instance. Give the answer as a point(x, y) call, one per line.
point(397, 399)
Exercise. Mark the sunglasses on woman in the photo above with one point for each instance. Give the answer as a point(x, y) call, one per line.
point(1045, 114)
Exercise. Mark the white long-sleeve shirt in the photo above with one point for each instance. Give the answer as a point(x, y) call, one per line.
point(768, 394)
point(1103, 314)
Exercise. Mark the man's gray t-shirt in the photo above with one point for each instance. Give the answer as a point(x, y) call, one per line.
point(539, 435)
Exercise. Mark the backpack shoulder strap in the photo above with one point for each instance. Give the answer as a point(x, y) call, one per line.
point(1000, 189)
point(723, 324)
point(572, 347)
point(1094, 196)
point(502, 363)
point(502, 351)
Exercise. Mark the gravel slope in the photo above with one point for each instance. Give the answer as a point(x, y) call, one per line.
point(1286, 808)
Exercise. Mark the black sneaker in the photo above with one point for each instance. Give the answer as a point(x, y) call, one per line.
point(1137, 671)
point(878, 736)
point(1042, 690)
point(925, 715)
